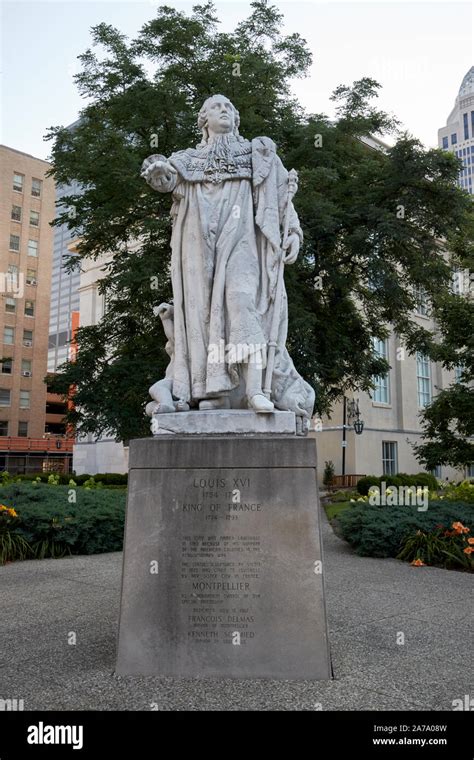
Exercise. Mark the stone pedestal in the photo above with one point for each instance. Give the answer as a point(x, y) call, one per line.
point(222, 571)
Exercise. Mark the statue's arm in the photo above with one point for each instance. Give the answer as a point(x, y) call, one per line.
point(159, 174)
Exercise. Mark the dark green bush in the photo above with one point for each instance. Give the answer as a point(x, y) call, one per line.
point(380, 531)
point(107, 479)
point(364, 484)
point(426, 479)
point(112, 478)
point(53, 526)
point(406, 480)
point(400, 479)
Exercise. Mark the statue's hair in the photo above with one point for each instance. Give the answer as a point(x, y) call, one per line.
point(202, 119)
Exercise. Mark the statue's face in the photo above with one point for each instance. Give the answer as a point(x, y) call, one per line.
point(220, 116)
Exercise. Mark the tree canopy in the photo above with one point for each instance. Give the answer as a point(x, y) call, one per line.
point(378, 224)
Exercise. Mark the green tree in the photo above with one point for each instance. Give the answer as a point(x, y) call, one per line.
point(377, 224)
point(448, 422)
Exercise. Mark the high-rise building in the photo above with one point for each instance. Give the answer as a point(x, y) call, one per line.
point(27, 207)
point(64, 291)
point(458, 134)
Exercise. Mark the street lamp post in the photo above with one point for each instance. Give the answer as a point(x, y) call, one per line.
point(358, 426)
point(344, 442)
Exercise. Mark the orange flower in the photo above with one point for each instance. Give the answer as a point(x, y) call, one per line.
point(417, 563)
point(470, 540)
point(458, 527)
point(468, 550)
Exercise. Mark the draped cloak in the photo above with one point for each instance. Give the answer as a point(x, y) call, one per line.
point(228, 218)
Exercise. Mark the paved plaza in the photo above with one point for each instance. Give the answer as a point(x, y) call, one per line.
point(373, 605)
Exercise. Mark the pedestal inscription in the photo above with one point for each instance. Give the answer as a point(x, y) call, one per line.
point(222, 567)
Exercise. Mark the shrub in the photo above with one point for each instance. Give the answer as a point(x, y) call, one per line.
point(447, 547)
point(328, 476)
point(406, 480)
point(112, 478)
point(381, 531)
point(12, 546)
point(52, 526)
point(400, 479)
point(426, 479)
point(364, 484)
point(461, 492)
point(107, 479)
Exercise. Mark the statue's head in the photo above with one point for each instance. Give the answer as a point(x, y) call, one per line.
point(218, 116)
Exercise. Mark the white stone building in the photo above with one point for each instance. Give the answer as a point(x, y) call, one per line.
point(91, 455)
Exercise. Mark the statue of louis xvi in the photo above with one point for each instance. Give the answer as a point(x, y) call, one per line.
point(234, 229)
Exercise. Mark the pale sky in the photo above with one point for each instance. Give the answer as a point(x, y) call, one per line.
point(418, 51)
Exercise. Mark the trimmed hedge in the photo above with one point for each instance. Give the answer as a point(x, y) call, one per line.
point(54, 526)
point(380, 531)
point(422, 479)
point(107, 478)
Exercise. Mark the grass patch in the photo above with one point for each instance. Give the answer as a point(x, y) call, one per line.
point(332, 510)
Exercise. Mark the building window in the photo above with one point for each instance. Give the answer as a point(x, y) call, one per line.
point(36, 187)
point(3, 427)
point(15, 243)
point(23, 429)
point(24, 399)
point(10, 305)
point(27, 337)
point(7, 366)
point(421, 297)
point(31, 276)
point(466, 126)
point(16, 213)
point(389, 457)
point(26, 367)
point(18, 180)
point(470, 471)
point(4, 397)
point(423, 380)
point(445, 143)
point(32, 248)
point(457, 281)
point(458, 373)
point(454, 138)
point(436, 471)
point(8, 334)
point(381, 392)
point(472, 128)
point(30, 308)
point(13, 272)
point(34, 218)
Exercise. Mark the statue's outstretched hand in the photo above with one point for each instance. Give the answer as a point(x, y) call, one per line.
point(292, 247)
point(157, 170)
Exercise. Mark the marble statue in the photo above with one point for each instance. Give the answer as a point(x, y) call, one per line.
point(234, 230)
